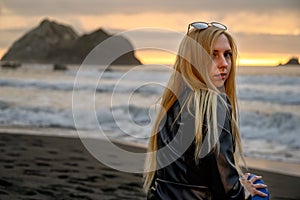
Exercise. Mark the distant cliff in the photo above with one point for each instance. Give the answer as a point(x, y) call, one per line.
point(52, 42)
point(292, 61)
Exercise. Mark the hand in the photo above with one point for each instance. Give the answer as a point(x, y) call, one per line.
point(251, 187)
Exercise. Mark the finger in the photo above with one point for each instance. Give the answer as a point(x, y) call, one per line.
point(259, 193)
point(259, 185)
point(243, 182)
point(245, 176)
point(255, 178)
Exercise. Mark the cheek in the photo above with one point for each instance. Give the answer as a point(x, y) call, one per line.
point(229, 64)
point(212, 71)
point(229, 68)
point(213, 68)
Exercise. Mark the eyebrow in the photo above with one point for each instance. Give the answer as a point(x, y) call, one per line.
point(228, 50)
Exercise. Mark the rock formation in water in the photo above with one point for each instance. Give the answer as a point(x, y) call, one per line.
point(292, 61)
point(52, 42)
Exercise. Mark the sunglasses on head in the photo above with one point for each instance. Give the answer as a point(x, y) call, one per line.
point(205, 25)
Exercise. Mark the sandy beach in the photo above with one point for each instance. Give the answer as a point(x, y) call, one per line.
point(47, 167)
point(44, 167)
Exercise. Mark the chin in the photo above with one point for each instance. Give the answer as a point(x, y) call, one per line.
point(219, 84)
point(221, 89)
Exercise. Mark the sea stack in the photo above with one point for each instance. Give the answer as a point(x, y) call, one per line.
point(52, 42)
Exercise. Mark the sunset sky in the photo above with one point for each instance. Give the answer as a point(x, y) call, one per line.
point(267, 31)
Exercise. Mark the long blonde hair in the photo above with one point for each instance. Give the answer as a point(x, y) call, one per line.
point(191, 69)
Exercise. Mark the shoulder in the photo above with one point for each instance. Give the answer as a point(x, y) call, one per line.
point(224, 108)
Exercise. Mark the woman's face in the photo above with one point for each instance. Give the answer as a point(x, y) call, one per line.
point(220, 69)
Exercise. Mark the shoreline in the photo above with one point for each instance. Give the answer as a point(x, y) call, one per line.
point(288, 70)
point(274, 166)
point(59, 167)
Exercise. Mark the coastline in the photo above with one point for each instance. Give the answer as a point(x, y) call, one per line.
point(59, 167)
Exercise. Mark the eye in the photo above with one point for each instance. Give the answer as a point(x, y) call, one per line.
point(228, 54)
point(214, 55)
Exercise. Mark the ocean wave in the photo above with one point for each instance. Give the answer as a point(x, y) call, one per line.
point(143, 88)
point(132, 120)
point(279, 127)
point(268, 80)
point(133, 75)
point(272, 89)
point(282, 128)
point(35, 116)
point(275, 135)
point(283, 97)
point(268, 88)
point(43, 85)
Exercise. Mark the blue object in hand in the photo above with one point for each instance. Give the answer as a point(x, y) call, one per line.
point(264, 190)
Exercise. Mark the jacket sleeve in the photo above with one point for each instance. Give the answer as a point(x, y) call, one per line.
point(225, 177)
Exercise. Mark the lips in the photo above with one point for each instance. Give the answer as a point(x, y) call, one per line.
point(221, 76)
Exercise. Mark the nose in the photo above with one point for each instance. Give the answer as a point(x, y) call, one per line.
point(222, 62)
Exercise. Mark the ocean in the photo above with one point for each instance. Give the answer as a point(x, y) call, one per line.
point(123, 102)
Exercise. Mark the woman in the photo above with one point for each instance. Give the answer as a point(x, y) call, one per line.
point(195, 145)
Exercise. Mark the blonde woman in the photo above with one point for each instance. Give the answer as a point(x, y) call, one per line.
point(195, 144)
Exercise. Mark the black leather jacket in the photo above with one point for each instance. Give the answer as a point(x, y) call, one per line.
point(214, 176)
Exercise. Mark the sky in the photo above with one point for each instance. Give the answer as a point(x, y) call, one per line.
point(267, 31)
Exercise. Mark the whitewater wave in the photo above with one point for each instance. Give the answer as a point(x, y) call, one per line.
point(269, 121)
point(130, 120)
point(283, 128)
point(145, 88)
point(284, 97)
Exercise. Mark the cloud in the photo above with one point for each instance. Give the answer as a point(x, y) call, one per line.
point(259, 26)
point(247, 42)
point(267, 23)
point(268, 43)
point(101, 7)
point(8, 36)
point(253, 16)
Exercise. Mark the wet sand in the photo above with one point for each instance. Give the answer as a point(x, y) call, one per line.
point(47, 167)
point(43, 167)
